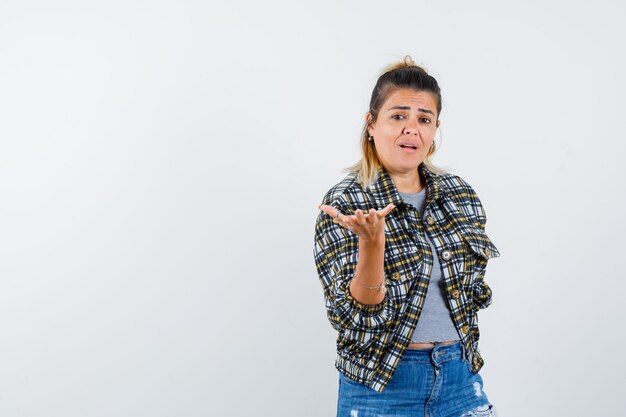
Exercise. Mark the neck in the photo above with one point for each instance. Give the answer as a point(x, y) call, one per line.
point(407, 182)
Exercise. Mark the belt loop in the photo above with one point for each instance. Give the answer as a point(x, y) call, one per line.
point(433, 353)
point(464, 351)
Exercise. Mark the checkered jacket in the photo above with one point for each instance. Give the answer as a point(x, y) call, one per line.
point(372, 338)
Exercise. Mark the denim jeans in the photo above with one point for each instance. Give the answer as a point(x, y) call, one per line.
point(428, 382)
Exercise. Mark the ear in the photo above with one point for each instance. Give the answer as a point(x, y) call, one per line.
point(368, 117)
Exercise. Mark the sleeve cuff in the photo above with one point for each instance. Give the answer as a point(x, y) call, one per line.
point(366, 309)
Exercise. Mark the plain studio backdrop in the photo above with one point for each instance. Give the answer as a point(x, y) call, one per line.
point(161, 164)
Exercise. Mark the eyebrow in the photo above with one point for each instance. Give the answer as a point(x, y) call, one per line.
point(409, 108)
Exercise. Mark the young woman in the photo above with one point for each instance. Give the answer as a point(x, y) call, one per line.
point(401, 251)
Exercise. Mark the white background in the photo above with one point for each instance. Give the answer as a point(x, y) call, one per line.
point(161, 164)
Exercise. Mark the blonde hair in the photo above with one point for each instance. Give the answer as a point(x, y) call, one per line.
point(405, 74)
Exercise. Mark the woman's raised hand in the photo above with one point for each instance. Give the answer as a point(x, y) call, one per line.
point(368, 226)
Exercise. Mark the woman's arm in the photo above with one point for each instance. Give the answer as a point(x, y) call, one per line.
point(367, 285)
point(338, 252)
point(370, 272)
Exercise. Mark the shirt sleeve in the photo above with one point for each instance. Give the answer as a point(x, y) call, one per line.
point(482, 293)
point(480, 216)
point(336, 257)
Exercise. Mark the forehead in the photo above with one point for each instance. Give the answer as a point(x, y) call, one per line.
point(410, 97)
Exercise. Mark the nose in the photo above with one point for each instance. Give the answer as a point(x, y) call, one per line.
point(411, 127)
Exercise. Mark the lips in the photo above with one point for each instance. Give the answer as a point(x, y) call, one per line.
point(408, 146)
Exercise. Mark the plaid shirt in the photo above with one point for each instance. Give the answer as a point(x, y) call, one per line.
point(372, 338)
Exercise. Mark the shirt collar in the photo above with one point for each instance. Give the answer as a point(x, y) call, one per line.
point(385, 191)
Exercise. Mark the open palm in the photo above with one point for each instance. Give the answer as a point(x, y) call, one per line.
point(368, 226)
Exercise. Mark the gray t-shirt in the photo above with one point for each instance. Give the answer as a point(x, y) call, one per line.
point(435, 323)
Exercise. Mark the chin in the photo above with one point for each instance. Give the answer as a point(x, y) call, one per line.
point(405, 167)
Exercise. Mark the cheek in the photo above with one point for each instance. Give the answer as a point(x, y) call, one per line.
point(385, 147)
point(428, 133)
point(390, 130)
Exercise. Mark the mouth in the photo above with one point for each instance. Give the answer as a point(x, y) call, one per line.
point(408, 148)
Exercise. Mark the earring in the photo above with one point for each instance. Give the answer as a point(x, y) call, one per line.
point(371, 138)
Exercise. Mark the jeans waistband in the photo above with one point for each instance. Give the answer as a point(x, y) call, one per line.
point(436, 353)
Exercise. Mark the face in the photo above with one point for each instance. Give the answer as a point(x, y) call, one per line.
point(405, 129)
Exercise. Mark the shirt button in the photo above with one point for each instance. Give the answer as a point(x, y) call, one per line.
point(446, 254)
point(465, 328)
point(430, 219)
point(455, 294)
point(395, 276)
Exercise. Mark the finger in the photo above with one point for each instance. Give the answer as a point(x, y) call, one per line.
point(330, 210)
point(360, 217)
point(374, 216)
point(348, 220)
point(387, 209)
point(348, 223)
point(327, 209)
point(339, 219)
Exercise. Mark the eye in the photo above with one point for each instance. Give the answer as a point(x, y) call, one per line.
point(426, 120)
point(398, 115)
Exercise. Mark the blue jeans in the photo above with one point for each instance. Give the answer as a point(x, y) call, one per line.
point(428, 382)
